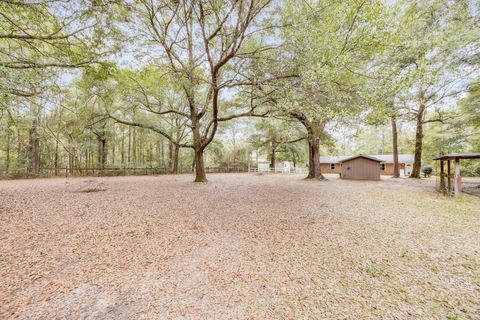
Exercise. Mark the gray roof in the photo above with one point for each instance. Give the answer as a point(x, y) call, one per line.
point(388, 158)
point(362, 156)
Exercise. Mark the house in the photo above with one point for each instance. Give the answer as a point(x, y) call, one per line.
point(361, 168)
point(263, 165)
point(332, 164)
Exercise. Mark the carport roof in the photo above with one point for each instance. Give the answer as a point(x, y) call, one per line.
point(361, 156)
point(453, 156)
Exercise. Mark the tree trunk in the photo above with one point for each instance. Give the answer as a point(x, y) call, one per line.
point(7, 159)
point(113, 146)
point(55, 159)
point(176, 150)
point(382, 151)
point(140, 147)
point(69, 164)
point(170, 157)
point(273, 157)
point(129, 147)
point(104, 152)
point(34, 149)
point(162, 153)
point(123, 147)
point(99, 152)
point(314, 157)
point(150, 153)
point(442, 178)
point(396, 171)
point(234, 140)
point(193, 162)
point(200, 174)
point(36, 154)
point(134, 147)
point(19, 161)
point(314, 129)
point(86, 161)
point(417, 162)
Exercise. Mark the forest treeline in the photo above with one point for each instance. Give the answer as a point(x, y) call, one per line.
point(176, 86)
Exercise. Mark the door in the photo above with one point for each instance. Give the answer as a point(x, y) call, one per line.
point(408, 169)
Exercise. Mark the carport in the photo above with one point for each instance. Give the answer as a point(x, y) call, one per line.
point(446, 172)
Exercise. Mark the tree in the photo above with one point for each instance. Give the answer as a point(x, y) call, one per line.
point(41, 37)
point(272, 136)
point(330, 44)
point(38, 41)
point(207, 46)
point(432, 48)
point(154, 102)
point(460, 134)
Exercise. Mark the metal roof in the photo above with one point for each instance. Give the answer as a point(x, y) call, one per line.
point(362, 156)
point(388, 158)
point(453, 156)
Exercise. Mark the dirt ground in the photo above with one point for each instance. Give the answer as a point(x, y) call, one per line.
point(243, 246)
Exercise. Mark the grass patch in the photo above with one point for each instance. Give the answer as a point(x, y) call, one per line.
point(374, 269)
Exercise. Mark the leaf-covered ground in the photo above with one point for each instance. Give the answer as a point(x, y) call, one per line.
point(241, 246)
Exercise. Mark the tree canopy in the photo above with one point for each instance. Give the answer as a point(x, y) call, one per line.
point(176, 86)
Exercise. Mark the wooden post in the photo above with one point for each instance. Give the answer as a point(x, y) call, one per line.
point(458, 178)
point(442, 178)
point(449, 176)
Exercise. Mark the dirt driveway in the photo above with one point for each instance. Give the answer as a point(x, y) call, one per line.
point(243, 246)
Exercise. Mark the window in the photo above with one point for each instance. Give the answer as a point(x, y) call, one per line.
point(332, 166)
point(382, 166)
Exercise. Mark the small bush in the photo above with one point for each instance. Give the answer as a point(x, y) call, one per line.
point(427, 171)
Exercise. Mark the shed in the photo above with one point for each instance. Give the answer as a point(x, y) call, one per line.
point(361, 168)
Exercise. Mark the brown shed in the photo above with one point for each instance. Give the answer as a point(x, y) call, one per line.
point(361, 168)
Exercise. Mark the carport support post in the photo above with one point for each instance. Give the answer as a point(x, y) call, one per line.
point(458, 178)
point(449, 180)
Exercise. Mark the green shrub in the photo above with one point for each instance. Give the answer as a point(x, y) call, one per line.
point(427, 171)
point(470, 168)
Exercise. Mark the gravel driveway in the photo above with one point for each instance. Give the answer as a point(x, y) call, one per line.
point(243, 246)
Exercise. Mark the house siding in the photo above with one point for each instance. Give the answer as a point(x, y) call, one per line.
point(325, 168)
point(389, 168)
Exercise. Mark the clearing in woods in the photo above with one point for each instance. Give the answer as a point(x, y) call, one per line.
point(241, 246)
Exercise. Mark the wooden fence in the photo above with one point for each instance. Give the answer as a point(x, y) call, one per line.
point(116, 171)
point(299, 170)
